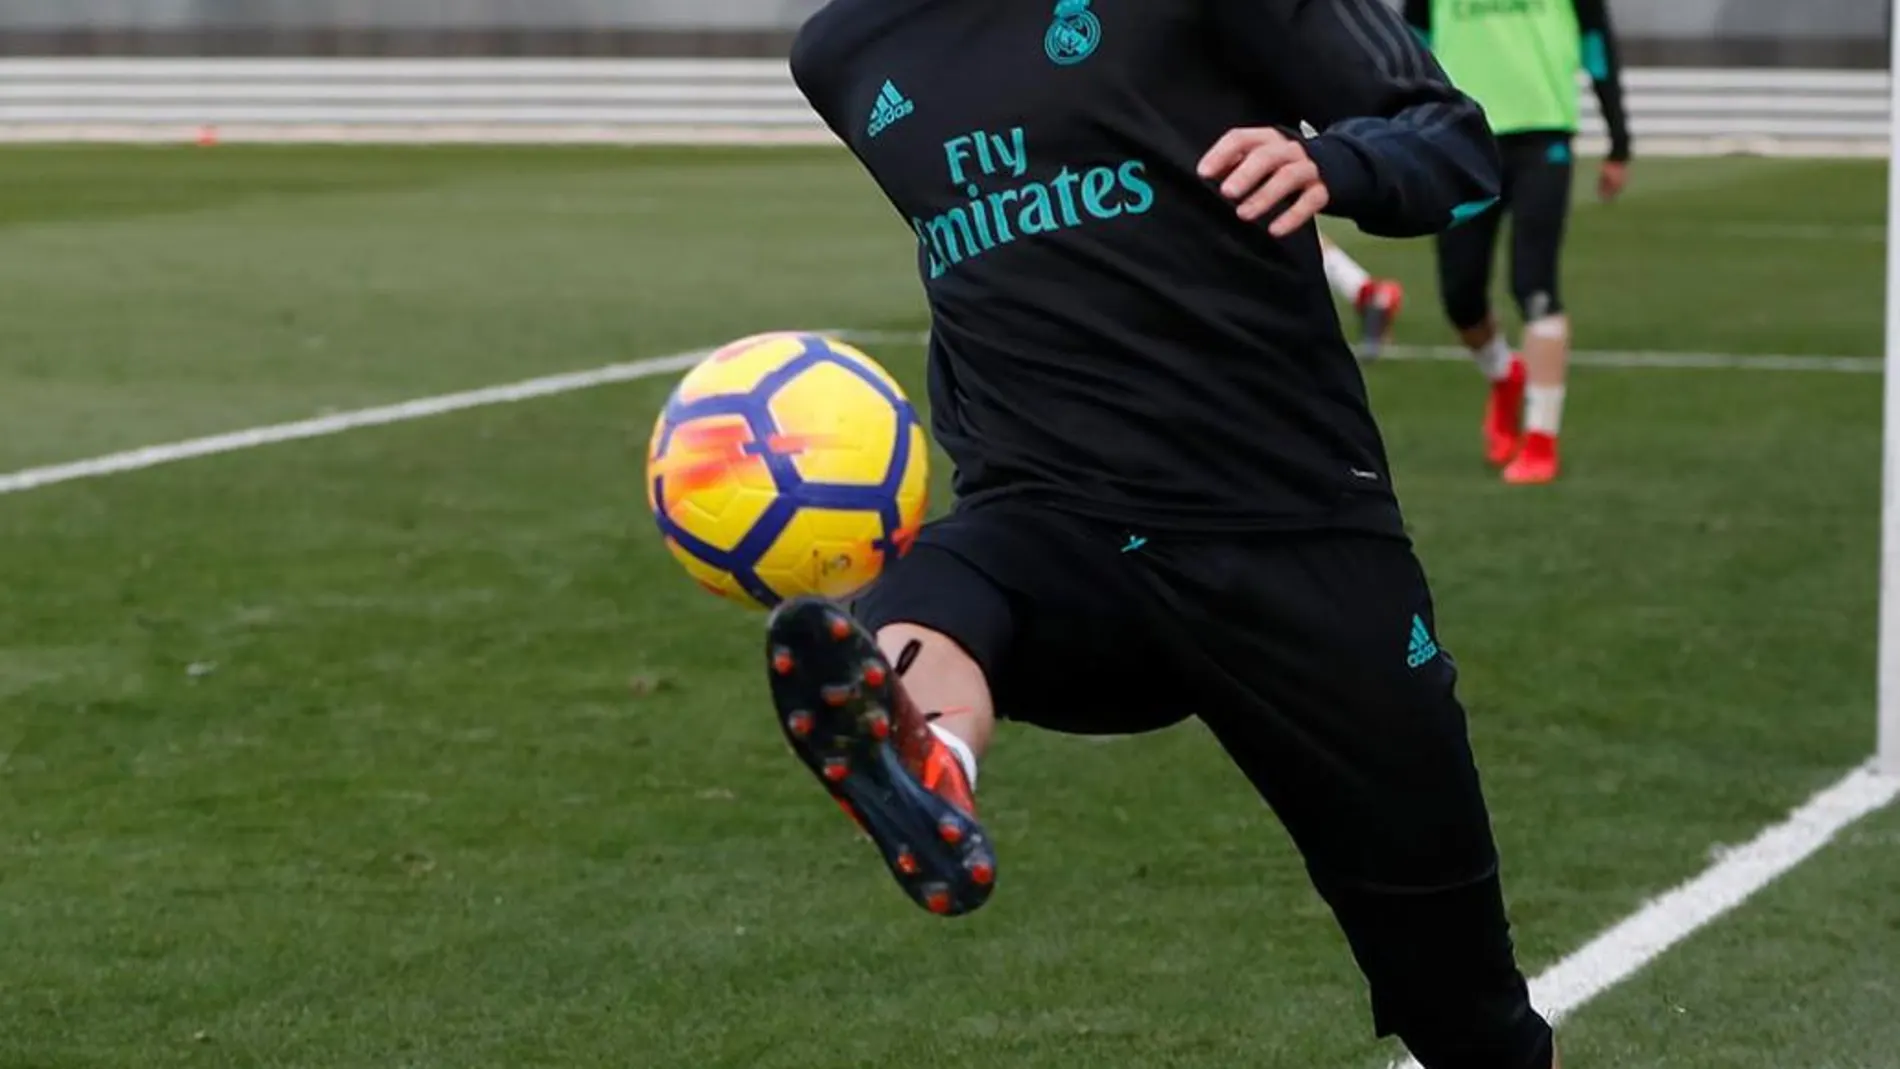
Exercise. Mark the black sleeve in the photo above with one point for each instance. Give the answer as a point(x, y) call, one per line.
point(1606, 71)
point(1402, 152)
point(808, 74)
point(818, 54)
point(1419, 14)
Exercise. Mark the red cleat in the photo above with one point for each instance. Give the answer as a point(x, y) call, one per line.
point(1378, 306)
point(1504, 416)
point(1536, 463)
point(846, 714)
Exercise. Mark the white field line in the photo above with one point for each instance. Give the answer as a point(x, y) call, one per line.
point(1623, 950)
point(1846, 365)
point(1844, 232)
point(153, 455)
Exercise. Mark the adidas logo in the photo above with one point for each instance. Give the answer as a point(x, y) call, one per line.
point(1423, 647)
point(891, 106)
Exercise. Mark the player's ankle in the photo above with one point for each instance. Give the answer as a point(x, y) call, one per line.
point(1544, 410)
point(1495, 358)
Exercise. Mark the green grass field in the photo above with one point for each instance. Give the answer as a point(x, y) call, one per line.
point(410, 747)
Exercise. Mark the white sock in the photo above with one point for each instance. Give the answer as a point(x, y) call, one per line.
point(1494, 358)
point(1544, 409)
point(1343, 273)
point(965, 756)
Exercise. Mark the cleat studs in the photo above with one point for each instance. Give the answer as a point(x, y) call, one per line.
point(938, 901)
point(836, 769)
point(836, 696)
point(840, 627)
point(873, 674)
point(799, 723)
point(880, 727)
point(982, 873)
point(950, 831)
point(782, 662)
point(907, 863)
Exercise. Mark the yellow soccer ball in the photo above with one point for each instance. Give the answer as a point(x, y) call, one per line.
point(787, 464)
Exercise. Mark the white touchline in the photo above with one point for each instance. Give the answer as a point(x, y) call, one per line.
point(1623, 950)
point(154, 455)
point(1843, 365)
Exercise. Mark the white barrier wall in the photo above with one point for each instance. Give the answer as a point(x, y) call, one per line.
point(1687, 19)
point(1774, 112)
point(412, 14)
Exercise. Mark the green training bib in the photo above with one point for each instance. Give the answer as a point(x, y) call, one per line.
point(1517, 58)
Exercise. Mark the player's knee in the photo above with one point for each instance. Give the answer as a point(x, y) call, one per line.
point(1538, 302)
point(1466, 307)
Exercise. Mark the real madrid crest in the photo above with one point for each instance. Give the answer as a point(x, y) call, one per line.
point(1074, 35)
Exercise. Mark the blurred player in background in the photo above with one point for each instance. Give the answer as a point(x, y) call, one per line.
point(1377, 300)
point(1520, 61)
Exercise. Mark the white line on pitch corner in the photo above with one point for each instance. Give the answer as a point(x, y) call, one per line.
point(1841, 232)
point(154, 455)
point(1846, 365)
point(1645, 935)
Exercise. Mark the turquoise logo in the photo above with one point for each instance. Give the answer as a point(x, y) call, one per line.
point(1074, 35)
point(890, 107)
point(1423, 647)
point(1003, 203)
point(1134, 544)
point(1464, 213)
point(1559, 152)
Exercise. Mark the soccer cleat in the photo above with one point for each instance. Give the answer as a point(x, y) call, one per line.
point(1378, 306)
point(845, 713)
point(1504, 416)
point(1536, 463)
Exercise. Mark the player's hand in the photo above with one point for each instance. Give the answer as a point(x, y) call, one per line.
point(1611, 179)
point(1260, 168)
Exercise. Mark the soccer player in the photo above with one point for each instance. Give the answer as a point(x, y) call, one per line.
point(1521, 61)
point(1172, 498)
point(1376, 300)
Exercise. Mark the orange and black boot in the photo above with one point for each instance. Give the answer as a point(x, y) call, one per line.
point(1378, 305)
point(844, 711)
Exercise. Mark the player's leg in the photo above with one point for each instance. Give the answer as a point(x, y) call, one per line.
point(852, 712)
point(1376, 300)
point(998, 611)
point(940, 676)
point(1336, 701)
point(1464, 281)
point(1539, 213)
